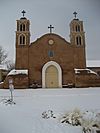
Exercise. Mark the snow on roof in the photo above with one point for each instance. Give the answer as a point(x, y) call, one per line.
point(88, 71)
point(93, 63)
point(16, 72)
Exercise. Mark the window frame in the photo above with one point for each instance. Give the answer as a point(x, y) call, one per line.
point(78, 40)
point(22, 39)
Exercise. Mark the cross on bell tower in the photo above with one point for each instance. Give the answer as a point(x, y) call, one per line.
point(50, 27)
point(75, 13)
point(23, 12)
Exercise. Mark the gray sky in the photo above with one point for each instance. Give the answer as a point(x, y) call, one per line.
point(59, 13)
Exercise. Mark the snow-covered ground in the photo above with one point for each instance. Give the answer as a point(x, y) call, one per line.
point(26, 115)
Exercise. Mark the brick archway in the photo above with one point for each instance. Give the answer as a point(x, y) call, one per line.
point(57, 74)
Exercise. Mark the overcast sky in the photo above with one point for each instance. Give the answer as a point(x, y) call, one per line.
point(59, 13)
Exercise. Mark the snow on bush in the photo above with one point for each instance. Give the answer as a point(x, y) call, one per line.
point(88, 120)
point(8, 101)
point(98, 120)
point(48, 114)
point(73, 117)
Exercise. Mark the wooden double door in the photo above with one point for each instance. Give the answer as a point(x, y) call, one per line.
point(51, 77)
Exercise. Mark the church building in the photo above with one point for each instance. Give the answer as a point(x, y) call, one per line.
point(51, 61)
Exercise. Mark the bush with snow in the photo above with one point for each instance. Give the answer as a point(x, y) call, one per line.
point(87, 125)
point(74, 117)
point(90, 120)
point(87, 120)
point(48, 114)
point(7, 101)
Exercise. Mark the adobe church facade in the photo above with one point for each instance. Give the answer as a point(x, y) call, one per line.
point(51, 61)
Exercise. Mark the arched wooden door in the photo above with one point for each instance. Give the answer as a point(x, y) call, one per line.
point(51, 77)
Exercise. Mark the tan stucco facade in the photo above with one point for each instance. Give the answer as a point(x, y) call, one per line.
point(51, 60)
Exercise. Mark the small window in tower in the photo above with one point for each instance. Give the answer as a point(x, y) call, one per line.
point(77, 28)
point(22, 27)
point(50, 53)
point(22, 40)
point(78, 40)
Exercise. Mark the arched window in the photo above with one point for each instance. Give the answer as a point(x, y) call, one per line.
point(78, 40)
point(50, 53)
point(22, 27)
point(77, 28)
point(22, 40)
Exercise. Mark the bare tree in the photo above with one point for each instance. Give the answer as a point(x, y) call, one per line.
point(10, 65)
point(3, 55)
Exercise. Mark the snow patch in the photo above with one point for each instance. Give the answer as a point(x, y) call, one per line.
point(26, 115)
point(86, 70)
point(1, 83)
point(16, 72)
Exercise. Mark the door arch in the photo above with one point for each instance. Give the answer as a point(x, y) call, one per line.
point(51, 75)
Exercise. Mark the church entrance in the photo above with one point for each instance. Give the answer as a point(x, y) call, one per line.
point(51, 77)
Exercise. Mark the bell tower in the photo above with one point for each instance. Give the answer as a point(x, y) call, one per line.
point(22, 42)
point(77, 39)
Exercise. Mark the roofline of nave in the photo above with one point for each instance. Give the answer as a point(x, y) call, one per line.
point(50, 34)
